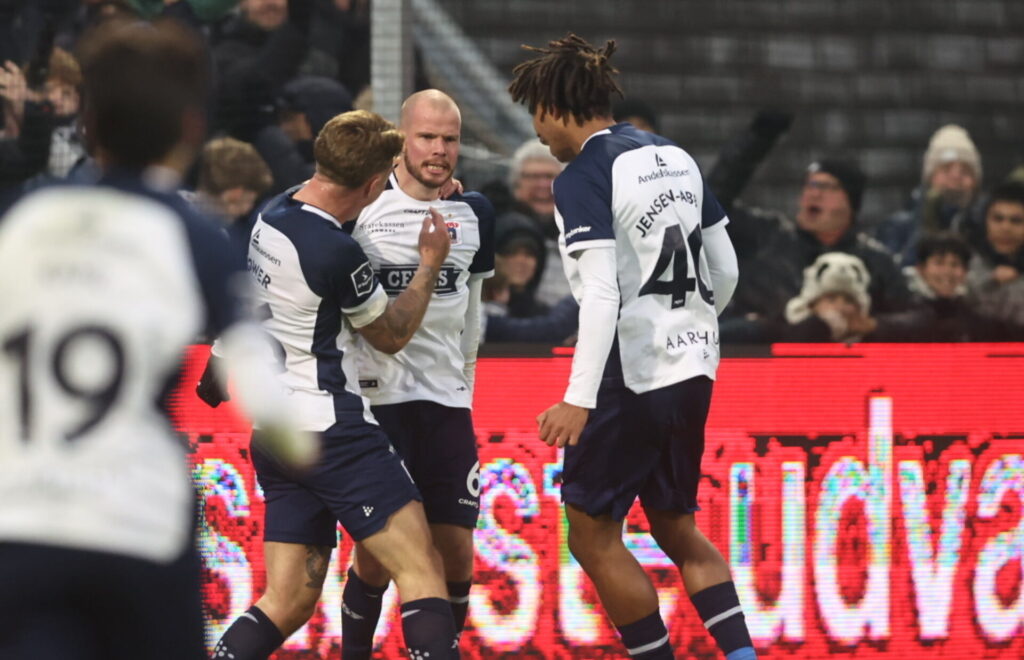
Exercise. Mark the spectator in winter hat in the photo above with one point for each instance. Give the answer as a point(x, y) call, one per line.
point(834, 294)
point(950, 181)
point(825, 222)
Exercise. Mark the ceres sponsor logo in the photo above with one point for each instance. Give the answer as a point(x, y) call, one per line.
point(395, 278)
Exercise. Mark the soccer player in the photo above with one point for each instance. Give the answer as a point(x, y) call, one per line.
point(648, 258)
point(104, 286)
point(317, 290)
point(422, 395)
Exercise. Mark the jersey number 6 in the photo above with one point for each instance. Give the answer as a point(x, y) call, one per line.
point(674, 252)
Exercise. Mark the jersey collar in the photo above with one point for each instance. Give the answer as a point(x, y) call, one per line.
point(603, 131)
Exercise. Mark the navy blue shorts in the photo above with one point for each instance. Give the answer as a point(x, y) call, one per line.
point(647, 444)
point(438, 445)
point(359, 481)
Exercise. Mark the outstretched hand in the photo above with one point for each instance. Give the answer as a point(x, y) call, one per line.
point(562, 424)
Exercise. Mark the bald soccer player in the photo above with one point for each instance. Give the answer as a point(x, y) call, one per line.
point(422, 395)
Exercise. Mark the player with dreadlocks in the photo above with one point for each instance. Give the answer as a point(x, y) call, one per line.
point(646, 252)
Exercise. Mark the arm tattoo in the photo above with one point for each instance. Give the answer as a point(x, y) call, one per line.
point(317, 559)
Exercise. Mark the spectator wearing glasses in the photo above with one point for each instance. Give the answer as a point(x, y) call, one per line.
point(826, 221)
point(531, 177)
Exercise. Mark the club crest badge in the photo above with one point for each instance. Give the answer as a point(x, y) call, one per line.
point(454, 231)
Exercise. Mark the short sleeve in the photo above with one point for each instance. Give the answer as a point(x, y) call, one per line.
point(355, 284)
point(711, 211)
point(483, 261)
point(583, 200)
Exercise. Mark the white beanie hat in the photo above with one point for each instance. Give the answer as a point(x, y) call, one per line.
point(832, 272)
point(949, 144)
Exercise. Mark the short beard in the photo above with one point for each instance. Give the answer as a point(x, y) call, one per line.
point(415, 173)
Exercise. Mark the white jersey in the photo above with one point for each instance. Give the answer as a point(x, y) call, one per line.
point(429, 368)
point(103, 289)
point(314, 285)
point(644, 196)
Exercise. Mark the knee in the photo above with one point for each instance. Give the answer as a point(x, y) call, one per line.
point(296, 606)
point(589, 550)
point(676, 539)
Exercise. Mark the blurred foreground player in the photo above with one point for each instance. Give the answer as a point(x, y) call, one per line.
point(648, 258)
point(103, 289)
point(317, 289)
point(422, 395)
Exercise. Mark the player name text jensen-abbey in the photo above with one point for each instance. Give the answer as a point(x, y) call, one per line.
point(662, 202)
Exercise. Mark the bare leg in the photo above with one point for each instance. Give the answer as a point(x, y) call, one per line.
point(699, 562)
point(404, 550)
point(295, 580)
point(455, 545)
point(624, 588)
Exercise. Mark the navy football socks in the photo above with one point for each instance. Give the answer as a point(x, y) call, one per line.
point(719, 608)
point(647, 639)
point(458, 596)
point(360, 611)
point(253, 636)
point(429, 629)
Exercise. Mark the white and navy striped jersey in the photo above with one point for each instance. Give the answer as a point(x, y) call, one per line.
point(429, 368)
point(645, 197)
point(103, 288)
point(314, 285)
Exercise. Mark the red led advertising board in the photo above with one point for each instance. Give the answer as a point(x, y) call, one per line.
point(868, 499)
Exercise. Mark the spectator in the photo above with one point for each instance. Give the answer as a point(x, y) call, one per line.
point(339, 43)
point(232, 178)
point(266, 38)
point(994, 279)
point(825, 222)
point(27, 128)
point(62, 91)
point(531, 176)
point(950, 181)
point(191, 11)
point(519, 257)
point(940, 310)
point(304, 105)
point(833, 299)
point(258, 51)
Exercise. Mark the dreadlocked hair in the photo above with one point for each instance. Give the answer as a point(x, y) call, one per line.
point(570, 76)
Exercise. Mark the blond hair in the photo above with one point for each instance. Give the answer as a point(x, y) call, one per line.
point(228, 163)
point(356, 145)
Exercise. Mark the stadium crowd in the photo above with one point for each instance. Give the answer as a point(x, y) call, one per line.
point(947, 267)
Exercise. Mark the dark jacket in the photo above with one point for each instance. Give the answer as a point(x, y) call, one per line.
point(553, 327)
point(773, 253)
point(23, 157)
point(924, 214)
